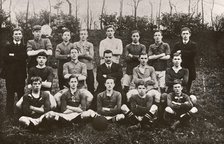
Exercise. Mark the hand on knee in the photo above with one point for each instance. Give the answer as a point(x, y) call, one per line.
point(154, 109)
point(169, 110)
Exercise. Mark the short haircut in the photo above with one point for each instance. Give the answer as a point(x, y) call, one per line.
point(107, 51)
point(83, 30)
point(42, 54)
point(177, 81)
point(78, 50)
point(158, 31)
point(135, 31)
point(143, 53)
point(176, 54)
point(110, 77)
point(110, 26)
point(17, 29)
point(35, 79)
point(186, 29)
point(66, 30)
point(141, 82)
point(72, 76)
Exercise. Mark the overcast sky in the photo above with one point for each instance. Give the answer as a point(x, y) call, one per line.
point(112, 6)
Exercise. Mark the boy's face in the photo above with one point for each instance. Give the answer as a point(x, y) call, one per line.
point(110, 32)
point(36, 86)
point(37, 34)
point(41, 60)
point(141, 90)
point(83, 35)
point(66, 36)
point(73, 83)
point(185, 35)
point(109, 84)
point(158, 36)
point(177, 88)
point(108, 58)
point(17, 35)
point(135, 37)
point(143, 60)
point(74, 54)
point(177, 60)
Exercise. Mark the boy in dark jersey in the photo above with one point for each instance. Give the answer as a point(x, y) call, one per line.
point(142, 110)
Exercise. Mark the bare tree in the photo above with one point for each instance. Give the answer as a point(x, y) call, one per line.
point(160, 3)
point(102, 12)
point(10, 9)
point(121, 7)
point(171, 7)
point(213, 2)
point(189, 7)
point(87, 21)
point(70, 7)
point(197, 6)
point(50, 12)
point(58, 6)
point(27, 12)
point(91, 19)
point(136, 3)
point(151, 17)
point(202, 11)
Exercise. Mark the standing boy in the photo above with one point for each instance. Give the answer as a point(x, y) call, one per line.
point(14, 59)
point(62, 53)
point(86, 56)
point(159, 54)
point(111, 43)
point(37, 45)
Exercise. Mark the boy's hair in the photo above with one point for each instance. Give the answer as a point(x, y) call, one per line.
point(177, 81)
point(78, 50)
point(83, 30)
point(72, 76)
point(42, 54)
point(135, 31)
point(107, 51)
point(110, 77)
point(186, 29)
point(66, 30)
point(143, 53)
point(17, 29)
point(158, 31)
point(176, 54)
point(109, 26)
point(141, 82)
point(35, 79)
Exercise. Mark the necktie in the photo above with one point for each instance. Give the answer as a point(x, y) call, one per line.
point(109, 68)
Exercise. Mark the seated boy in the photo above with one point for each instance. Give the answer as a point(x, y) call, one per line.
point(109, 102)
point(179, 106)
point(34, 103)
point(142, 110)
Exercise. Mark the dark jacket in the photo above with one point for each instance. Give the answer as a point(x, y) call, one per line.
point(115, 72)
point(188, 54)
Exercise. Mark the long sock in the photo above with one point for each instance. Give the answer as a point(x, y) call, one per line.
point(131, 118)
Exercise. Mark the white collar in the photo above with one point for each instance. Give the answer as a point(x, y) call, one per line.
point(185, 42)
point(135, 43)
point(16, 42)
point(176, 69)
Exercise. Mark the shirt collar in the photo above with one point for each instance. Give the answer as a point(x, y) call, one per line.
point(109, 64)
point(75, 62)
point(16, 42)
point(185, 42)
point(135, 43)
point(110, 38)
point(66, 43)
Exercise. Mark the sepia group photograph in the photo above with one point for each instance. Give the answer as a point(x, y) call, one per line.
point(111, 71)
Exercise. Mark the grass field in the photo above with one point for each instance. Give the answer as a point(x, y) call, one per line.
point(206, 127)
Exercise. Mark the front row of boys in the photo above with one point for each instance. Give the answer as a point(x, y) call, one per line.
point(140, 111)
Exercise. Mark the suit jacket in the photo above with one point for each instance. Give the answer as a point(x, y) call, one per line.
point(188, 54)
point(14, 61)
point(115, 72)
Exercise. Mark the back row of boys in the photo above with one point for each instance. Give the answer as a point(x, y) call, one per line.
point(76, 60)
